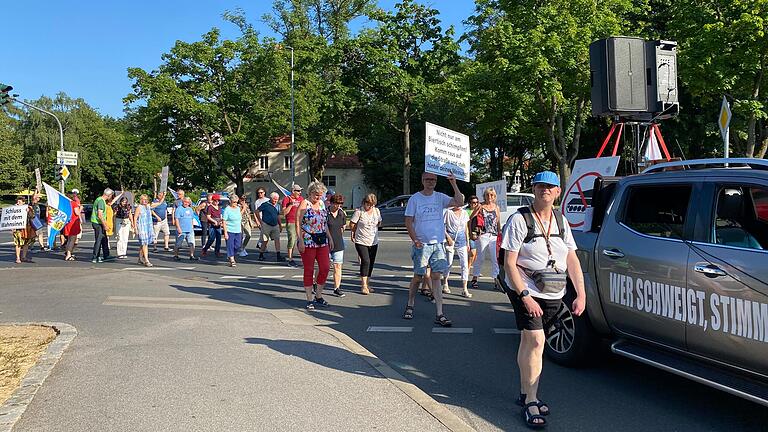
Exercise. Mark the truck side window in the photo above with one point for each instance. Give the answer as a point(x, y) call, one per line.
point(658, 211)
point(741, 219)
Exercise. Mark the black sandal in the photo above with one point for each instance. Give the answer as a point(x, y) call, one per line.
point(543, 407)
point(474, 284)
point(534, 421)
point(408, 313)
point(443, 321)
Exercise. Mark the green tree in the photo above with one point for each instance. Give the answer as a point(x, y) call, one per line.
point(13, 174)
point(318, 31)
point(724, 51)
point(105, 156)
point(546, 47)
point(218, 101)
point(399, 63)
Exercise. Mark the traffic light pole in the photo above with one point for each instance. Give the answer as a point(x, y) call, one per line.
point(61, 130)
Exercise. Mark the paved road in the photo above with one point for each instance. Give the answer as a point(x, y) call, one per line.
point(472, 371)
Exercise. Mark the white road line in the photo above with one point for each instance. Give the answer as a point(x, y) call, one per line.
point(234, 277)
point(506, 331)
point(384, 276)
point(272, 267)
point(297, 276)
point(389, 329)
point(271, 276)
point(156, 268)
point(460, 330)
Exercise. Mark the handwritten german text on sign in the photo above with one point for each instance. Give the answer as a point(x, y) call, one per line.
point(446, 151)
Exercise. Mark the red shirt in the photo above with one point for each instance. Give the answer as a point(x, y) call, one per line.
point(291, 216)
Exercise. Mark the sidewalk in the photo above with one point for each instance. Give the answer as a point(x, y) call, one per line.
point(150, 356)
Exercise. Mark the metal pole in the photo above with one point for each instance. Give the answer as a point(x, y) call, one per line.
point(293, 129)
point(61, 130)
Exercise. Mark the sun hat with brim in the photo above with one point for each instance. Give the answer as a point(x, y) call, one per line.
point(547, 177)
point(297, 187)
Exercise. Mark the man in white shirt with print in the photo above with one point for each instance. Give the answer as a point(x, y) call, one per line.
point(424, 220)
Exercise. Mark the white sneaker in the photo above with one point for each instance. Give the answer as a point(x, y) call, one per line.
point(243, 253)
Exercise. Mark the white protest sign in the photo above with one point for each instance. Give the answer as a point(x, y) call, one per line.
point(14, 217)
point(577, 196)
point(500, 186)
point(445, 152)
point(164, 179)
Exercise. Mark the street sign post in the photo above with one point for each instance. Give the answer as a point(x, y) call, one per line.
point(724, 120)
point(66, 158)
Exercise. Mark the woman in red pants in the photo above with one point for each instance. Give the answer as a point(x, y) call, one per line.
point(314, 242)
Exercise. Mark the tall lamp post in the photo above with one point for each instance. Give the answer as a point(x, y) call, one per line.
point(293, 128)
point(61, 129)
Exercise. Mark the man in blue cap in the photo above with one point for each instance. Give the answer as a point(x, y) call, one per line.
point(539, 250)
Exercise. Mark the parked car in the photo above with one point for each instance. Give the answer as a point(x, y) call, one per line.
point(515, 200)
point(393, 212)
point(675, 272)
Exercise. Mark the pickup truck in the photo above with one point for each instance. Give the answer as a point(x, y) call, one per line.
point(676, 271)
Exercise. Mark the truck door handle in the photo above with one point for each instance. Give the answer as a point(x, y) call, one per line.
point(613, 253)
point(710, 270)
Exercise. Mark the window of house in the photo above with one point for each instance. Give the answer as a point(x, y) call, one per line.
point(738, 220)
point(658, 211)
point(286, 162)
point(329, 181)
point(263, 162)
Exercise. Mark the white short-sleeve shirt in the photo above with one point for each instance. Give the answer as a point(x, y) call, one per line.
point(533, 255)
point(427, 214)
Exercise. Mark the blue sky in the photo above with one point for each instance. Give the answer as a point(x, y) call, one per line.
point(83, 48)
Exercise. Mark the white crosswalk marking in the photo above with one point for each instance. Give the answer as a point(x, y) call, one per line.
point(389, 329)
point(458, 330)
point(506, 331)
point(234, 277)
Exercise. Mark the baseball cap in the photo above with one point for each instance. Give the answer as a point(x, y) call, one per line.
point(547, 177)
point(75, 191)
point(215, 197)
point(297, 187)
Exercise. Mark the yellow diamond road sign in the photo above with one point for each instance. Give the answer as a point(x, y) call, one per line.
point(725, 118)
point(64, 172)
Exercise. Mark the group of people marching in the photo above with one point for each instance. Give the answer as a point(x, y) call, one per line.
point(536, 248)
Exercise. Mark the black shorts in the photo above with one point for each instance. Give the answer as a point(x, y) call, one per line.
point(528, 322)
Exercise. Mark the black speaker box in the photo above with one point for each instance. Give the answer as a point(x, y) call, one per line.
point(618, 75)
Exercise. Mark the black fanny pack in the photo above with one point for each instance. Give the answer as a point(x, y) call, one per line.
point(319, 239)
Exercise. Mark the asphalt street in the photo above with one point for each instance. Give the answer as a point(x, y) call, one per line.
point(471, 369)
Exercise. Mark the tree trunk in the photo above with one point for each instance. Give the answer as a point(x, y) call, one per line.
point(406, 153)
point(239, 186)
point(751, 140)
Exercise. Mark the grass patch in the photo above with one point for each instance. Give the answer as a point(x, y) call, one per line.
point(20, 347)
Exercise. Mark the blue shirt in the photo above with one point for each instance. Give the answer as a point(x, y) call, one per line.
point(161, 211)
point(185, 217)
point(269, 213)
point(233, 218)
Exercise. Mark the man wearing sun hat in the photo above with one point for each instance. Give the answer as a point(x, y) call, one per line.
point(290, 207)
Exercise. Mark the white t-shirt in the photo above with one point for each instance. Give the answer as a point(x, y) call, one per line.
point(457, 225)
point(427, 213)
point(367, 227)
point(258, 203)
point(533, 255)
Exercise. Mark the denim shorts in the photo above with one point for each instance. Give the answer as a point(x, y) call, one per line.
point(432, 255)
point(337, 257)
point(182, 237)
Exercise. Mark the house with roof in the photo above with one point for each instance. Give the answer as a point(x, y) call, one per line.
point(343, 173)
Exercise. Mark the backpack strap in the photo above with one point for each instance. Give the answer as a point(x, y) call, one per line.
point(530, 224)
point(560, 224)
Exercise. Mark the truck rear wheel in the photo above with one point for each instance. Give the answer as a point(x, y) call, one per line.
point(570, 340)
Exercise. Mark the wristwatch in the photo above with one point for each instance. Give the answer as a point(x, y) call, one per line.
point(524, 293)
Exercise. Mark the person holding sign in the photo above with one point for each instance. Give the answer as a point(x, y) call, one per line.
point(424, 221)
point(23, 238)
point(486, 242)
point(536, 258)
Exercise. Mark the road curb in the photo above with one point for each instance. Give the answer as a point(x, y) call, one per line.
point(13, 408)
point(430, 405)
